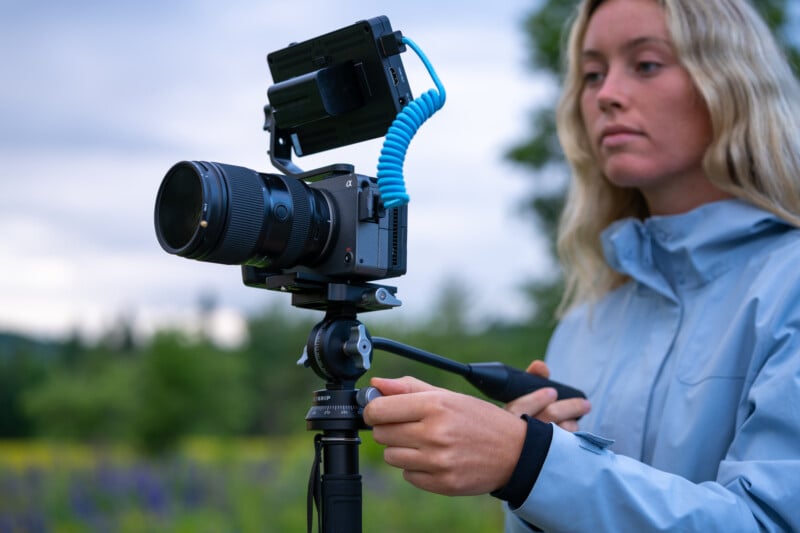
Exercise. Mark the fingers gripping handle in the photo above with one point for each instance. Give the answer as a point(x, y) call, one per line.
point(504, 383)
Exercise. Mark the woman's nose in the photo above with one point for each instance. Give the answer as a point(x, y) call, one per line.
point(613, 94)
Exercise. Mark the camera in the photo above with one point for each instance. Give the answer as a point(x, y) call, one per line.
point(302, 231)
point(334, 227)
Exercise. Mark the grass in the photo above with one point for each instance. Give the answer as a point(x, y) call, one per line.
point(210, 485)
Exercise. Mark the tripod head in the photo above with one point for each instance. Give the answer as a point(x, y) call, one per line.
point(338, 350)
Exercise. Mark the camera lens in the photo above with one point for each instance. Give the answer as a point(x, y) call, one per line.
point(233, 215)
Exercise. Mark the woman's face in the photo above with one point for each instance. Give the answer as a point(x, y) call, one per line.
point(648, 125)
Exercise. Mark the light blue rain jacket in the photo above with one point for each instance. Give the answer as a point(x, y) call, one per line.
point(693, 370)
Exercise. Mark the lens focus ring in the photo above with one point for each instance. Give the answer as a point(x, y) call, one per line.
point(300, 224)
point(246, 216)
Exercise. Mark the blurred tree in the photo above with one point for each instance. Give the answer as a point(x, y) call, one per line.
point(120, 339)
point(282, 389)
point(169, 389)
point(449, 315)
point(186, 387)
point(88, 403)
point(23, 365)
point(541, 152)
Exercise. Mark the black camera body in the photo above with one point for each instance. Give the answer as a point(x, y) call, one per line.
point(369, 242)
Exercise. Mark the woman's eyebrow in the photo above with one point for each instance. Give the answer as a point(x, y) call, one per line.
point(632, 44)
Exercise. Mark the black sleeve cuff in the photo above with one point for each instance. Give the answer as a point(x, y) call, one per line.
point(531, 460)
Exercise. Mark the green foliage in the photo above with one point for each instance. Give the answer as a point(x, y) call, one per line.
point(545, 29)
point(450, 316)
point(187, 387)
point(171, 388)
point(543, 148)
point(88, 404)
point(174, 386)
point(281, 389)
point(21, 368)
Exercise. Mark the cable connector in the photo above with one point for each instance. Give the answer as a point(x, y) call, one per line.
point(392, 43)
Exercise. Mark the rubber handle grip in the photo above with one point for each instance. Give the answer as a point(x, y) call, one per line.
point(505, 383)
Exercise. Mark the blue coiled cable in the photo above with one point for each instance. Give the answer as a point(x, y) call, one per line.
point(395, 145)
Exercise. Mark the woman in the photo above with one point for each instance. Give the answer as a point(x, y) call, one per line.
point(681, 249)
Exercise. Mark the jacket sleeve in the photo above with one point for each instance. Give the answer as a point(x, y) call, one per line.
point(583, 486)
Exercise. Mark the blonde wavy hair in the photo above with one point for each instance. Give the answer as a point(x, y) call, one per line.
point(754, 102)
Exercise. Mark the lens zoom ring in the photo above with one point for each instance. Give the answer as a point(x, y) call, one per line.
point(246, 217)
point(301, 223)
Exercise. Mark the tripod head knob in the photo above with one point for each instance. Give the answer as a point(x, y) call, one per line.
point(359, 347)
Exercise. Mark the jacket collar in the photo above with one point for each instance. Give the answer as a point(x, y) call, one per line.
point(685, 251)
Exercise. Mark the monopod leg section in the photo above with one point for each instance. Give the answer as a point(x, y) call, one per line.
point(341, 483)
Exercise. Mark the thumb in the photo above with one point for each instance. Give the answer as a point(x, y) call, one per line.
point(405, 385)
point(539, 368)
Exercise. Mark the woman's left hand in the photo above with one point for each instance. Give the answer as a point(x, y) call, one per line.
point(565, 413)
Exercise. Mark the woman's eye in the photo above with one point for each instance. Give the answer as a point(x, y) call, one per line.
point(592, 78)
point(648, 67)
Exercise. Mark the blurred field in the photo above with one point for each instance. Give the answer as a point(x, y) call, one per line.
point(209, 485)
point(81, 425)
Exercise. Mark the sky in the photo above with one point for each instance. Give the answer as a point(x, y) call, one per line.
point(99, 98)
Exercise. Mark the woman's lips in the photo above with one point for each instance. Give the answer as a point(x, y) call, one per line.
point(614, 136)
